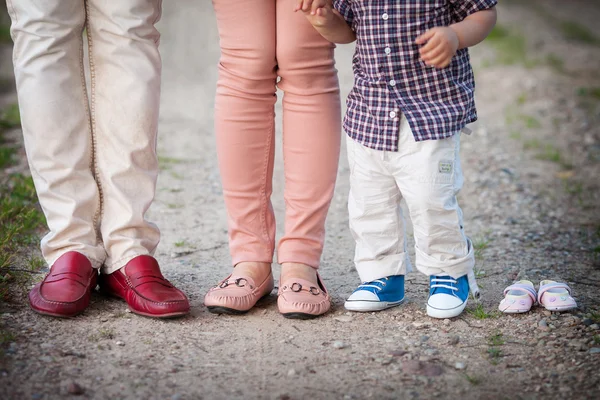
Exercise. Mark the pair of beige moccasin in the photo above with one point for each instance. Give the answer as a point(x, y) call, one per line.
point(297, 298)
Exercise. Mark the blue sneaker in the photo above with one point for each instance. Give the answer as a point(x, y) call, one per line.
point(447, 296)
point(377, 295)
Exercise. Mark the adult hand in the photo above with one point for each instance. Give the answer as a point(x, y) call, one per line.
point(440, 45)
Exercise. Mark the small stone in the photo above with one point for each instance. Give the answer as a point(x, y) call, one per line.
point(446, 321)
point(424, 338)
point(587, 322)
point(46, 345)
point(12, 348)
point(339, 345)
point(46, 359)
point(420, 325)
point(431, 352)
point(453, 341)
point(595, 350)
point(594, 327)
point(547, 313)
point(176, 396)
point(127, 310)
point(398, 353)
point(344, 318)
point(541, 343)
point(74, 388)
point(103, 319)
point(460, 365)
point(543, 325)
point(119, 343)
point(291, 372)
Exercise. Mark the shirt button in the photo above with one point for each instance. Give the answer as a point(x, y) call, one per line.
point(392, 83)
point(393, 114)
point(385, 16)
point(388, 50)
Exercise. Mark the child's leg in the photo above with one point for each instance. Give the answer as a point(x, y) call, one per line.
point(377, 226)
point(311, 134)
point(376, 221)
point(244, 124)
point(429, 176)
point(48, 61)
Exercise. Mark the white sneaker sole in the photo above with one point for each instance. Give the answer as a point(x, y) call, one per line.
point(368, 306)
point(443, 314)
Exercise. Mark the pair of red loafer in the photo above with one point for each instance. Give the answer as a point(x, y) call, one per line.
point(66, 290)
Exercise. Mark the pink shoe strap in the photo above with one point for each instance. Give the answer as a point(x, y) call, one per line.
point(556, 285)
point(524, 288)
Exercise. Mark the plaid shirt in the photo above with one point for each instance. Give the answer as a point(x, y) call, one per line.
point(390, 79)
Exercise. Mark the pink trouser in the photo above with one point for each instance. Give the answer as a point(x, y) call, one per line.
point(262, 40)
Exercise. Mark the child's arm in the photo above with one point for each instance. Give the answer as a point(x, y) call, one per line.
point(326, 20)
point(443, 42)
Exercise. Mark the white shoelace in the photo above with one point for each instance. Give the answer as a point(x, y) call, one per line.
point(367, 285)
point(443, 283)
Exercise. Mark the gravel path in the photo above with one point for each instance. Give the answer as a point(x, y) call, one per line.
point(531, 204)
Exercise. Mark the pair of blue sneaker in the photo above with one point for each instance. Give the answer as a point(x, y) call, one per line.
point(447, 296)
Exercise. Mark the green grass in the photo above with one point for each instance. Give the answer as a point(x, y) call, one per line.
point(530, 121)
point(591, 92)
point(494, 354)
point(5, 34)
point(550, 153)
point(510, 47)
point(479, 312)
point(479, 245)
point(597, 339)
point(556, 63)
point(7, 156)
point(493, 351)
point(181, 243)
point(522, 99)
point(6, 337)
point(516, 135)
point(572, 30)
point(496, 339)
point(167, 162)
point(532, 144)
point(473, 380)
point(10, 117)
point(19, 218)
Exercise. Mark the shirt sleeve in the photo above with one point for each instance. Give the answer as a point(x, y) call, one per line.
point(344, 7)
point(463, 8)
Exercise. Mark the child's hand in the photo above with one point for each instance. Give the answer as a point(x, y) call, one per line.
point(318, 12)
point(442, 43)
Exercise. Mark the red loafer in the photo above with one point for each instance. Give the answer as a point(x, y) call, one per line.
point(66, 290)
point(145, 289)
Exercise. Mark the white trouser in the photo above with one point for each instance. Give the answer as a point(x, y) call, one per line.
point(93, 162)
point(428, 175)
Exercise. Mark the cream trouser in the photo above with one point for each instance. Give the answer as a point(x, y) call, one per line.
point(93, 162)
point(428, 175)
point(262, 40)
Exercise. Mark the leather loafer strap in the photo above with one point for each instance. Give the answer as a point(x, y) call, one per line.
point(141, 278)
point(72, 276)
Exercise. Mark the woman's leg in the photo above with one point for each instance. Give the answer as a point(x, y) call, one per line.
point(244, 124)
point(311, 138)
